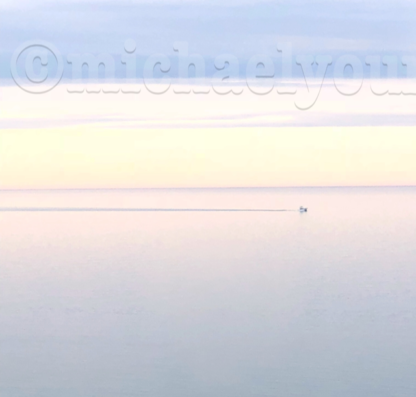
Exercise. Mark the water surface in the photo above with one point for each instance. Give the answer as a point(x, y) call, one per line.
point(230, 304)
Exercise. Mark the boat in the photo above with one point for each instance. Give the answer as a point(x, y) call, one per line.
point(303, 209)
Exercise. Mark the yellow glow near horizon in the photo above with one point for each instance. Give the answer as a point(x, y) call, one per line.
point(81, 157)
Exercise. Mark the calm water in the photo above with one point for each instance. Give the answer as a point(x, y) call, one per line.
point(195, 304)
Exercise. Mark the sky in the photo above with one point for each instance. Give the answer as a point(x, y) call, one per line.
point(316, 137)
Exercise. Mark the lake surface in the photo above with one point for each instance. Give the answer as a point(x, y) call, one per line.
point(209, 304)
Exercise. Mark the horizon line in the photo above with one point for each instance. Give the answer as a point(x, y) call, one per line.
point(210, 188)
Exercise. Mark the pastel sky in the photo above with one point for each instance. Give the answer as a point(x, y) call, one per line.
point(62, 140)
point(242, 27)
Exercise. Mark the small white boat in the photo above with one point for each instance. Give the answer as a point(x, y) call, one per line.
point(303, 209)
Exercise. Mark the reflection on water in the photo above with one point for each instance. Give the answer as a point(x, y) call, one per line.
point(178, 304)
